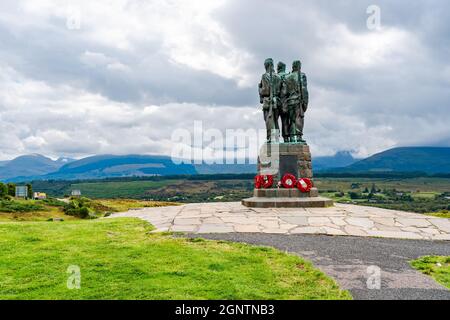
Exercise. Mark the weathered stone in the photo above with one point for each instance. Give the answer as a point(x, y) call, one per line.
point(394, 234)
point(301, 221)
point(183, 228)
point(443, 224)
point(334, 231)
point(318, 221)
point(355, 231)
point(187, 221)
point(215, 228)
point(408, 222)
point(306, 173)
point(246, 228)
point(314, 192)
point(273, 230)
point(361, 222)
point(385, 221)
point(308, 230)
point(338, 221)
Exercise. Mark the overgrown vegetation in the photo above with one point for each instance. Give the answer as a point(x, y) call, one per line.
point(437, 267)
point(10, 205)
point(73, 208)
point(120, 259)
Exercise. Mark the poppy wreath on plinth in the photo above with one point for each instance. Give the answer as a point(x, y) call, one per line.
point(263, 181)
point(304, 185)
point(267, 181)
point(258, 182)
point(288, 181)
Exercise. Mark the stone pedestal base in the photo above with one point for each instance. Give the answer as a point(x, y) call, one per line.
point(277, 160)
point(315, 202)
point(286, 198)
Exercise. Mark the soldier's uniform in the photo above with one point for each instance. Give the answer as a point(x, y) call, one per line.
point(282, 103)
point(270, 81)
point(297, 103)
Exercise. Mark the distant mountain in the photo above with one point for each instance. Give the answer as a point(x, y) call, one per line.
point(405, 159)
point(28, 165)
point(225, 168)
point(120, 166)
point(340, 159)
point(37, 167)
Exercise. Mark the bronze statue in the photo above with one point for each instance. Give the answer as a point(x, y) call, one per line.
point(297, 101)
point(282, 105)
point(284, 95)
point(269, 94)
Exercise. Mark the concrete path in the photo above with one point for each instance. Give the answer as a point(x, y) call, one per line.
point(355, 261)
point(340, 220)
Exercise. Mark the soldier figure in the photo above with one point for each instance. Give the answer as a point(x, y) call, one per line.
point(282, 103)
point(297, 101)
point(269, 93)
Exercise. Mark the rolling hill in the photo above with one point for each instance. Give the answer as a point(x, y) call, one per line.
point(405, 159)
point(120, 166)
point(30, 165)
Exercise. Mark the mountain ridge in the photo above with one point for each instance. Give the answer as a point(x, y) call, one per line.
point(404, 159)
point(38, 167)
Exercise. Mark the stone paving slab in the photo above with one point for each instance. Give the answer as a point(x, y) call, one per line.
point(341, 219)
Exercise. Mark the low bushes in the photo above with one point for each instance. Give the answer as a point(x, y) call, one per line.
point(84, 208)
point(11, 206)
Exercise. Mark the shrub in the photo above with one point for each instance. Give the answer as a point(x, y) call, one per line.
point(81, 212)
point(355, 195)
point(76, 207)
point(10, 206)
point(54, 202)
point(11, 189)
point(3, 190)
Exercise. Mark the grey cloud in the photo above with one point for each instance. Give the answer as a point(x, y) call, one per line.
point(54, 54)
point(366, 94)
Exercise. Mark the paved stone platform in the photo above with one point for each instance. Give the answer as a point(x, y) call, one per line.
point(340, 220)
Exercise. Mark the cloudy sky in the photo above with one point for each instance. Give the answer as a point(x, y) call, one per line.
point(90, 77)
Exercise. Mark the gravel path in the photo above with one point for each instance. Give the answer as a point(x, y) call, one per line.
point(347, 259)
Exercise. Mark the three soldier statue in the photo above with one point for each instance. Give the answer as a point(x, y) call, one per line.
point(284, 95)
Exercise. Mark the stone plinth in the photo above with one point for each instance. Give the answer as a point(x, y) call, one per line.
point(277, 160)
point(305, 202)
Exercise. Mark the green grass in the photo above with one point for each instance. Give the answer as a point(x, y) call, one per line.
point(437, 267)
point(127, 189)
point(441, 214)
point(120, 259)
point(121, 205)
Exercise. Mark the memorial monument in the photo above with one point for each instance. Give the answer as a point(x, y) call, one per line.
point(285, 176)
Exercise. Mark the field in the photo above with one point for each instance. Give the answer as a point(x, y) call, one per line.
point(120, 259)
point(423, 195)
point(53, 209)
